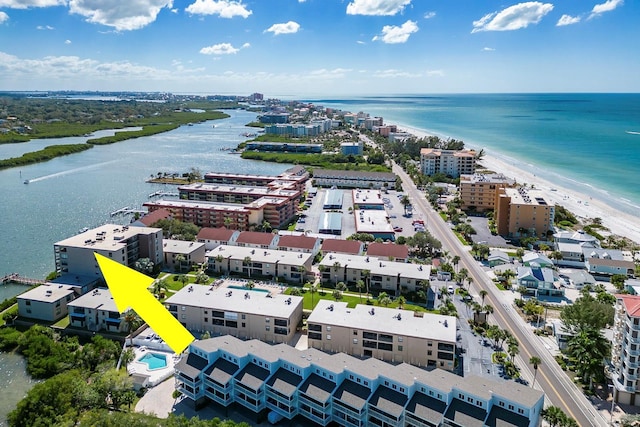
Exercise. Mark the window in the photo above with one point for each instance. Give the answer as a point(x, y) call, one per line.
point(399, 339)
point(355, 340)
point(267, 328)
point(400, 348)
point(511, 407)
point(328, 336)
point(355, 333)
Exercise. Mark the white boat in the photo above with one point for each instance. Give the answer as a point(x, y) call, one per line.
point(26, 181)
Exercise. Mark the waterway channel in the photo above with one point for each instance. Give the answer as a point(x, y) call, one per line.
point(81, 190)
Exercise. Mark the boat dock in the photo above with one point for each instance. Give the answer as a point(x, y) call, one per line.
point(16, 278)
point(128, 211)
point(163, 193)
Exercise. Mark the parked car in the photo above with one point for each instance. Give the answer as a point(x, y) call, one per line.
point(397, 229)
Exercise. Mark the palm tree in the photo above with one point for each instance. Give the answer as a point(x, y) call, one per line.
point(336, 266)
point(522, 290)
point(183, 279)
point(313, 288)
point(488, 309)
point(513, 350)
point(202, 277)
point(337, 294)
point(455, 260)
point(250, 284)
point(247, 262)
point(296, 292)
point(507, 276)
point(462, 275)
point(360, 285)
point(179, 260)
point(227, 222)
point(405, 202)
point(483, 293)
point(535, 361)
point(553, 415)
point(159, 288)
point(469, 282)
point(127, 357)
point(588, 348)
point(219, 259)
point(401, 302)
point(383, 299)
point(132, 322)
point(341, 287)
point(366, 275)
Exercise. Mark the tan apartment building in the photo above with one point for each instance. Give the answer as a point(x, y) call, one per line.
point(387, 334)
point(254, 262)
point(521, 212)
point(46, 302)
point(193, 253)
point(121, 243)
point(287, 179)
point(246, 314)
point(479, 192)
point(448, 162)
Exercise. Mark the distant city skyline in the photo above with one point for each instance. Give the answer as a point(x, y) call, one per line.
point(301, 48)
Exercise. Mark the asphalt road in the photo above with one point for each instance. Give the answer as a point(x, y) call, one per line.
point(559, 389)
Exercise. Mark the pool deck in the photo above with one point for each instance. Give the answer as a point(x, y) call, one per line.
point(155, 375)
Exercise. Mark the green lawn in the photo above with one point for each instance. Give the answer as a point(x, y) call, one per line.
point(352, 299)
point(62, 323)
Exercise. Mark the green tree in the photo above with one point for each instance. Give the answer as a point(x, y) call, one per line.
point(401, 301)
point(127, 357)
point(295, 292)
point(247, 261)
point(384, 299)
point(589, 349)
point(405, 202)
point(483, 294)
point(159, 288)
point(536, 362)
point(201, 277)
point(586, 313)
point(313, 288)
point(337, 294)
point(617, 280)
point(144, 265)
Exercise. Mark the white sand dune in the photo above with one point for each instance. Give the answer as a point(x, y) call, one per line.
point(583, 206)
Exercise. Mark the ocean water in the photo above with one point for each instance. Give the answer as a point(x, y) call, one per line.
point(589, 142)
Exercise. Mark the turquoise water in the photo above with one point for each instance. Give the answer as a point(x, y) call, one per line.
point(583, 141)
point(245, 289)
point(154, 360)
point(14, 383)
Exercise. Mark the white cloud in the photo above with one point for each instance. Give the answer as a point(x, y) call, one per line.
point(26, 4)
point(223, 8)
point(429, 15)
point(376, 7)
point(129, 15)
point(392, 34)
point(3, 17)
point(67, 41)
point(488, 49)
point(360, 42)
point(222, 49)
point(514, 17)
point(336, 73)
point(393, 73)
point(435, 73)
point(290, 27)
point(607, 6)
point(567, 20)
point(45, 27)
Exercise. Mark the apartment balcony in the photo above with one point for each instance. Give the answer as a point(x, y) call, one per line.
point(385, 418)
point(340, 406)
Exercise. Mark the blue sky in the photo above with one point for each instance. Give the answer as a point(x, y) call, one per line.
point(294, 48)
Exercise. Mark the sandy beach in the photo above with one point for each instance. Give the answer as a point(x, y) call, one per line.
point(583, 206)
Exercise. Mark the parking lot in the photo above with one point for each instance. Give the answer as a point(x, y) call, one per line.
point(395, 212)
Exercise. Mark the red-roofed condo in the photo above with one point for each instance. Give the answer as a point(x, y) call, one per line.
point(214, 237)
point(625, 350)
point(310, 245)
point(352, 247)
point(390, 251)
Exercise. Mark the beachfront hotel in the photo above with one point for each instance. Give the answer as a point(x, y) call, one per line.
point(448, 162)
point(522, 212)
point(260, 263)
point(625, 350)
point(384, 275)
point(479, 192)
point(389, 334)
point(242, 313)
point(121, 243)
point(325, 388)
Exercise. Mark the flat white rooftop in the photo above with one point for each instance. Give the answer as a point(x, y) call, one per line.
point(47, 293)
point(261, 255)
point(369, 197)
point(106, 237)
point(372, 221)
point(98, 298)
point(195, 204)
point(385, 320)
point(239, 189)
point(180, 246)
point(236, 300)
point(378, 266)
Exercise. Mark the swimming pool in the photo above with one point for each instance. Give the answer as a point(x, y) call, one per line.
point(245, 289)
point(154, 361)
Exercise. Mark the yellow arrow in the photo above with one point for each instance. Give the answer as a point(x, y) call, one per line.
point(129, 289)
